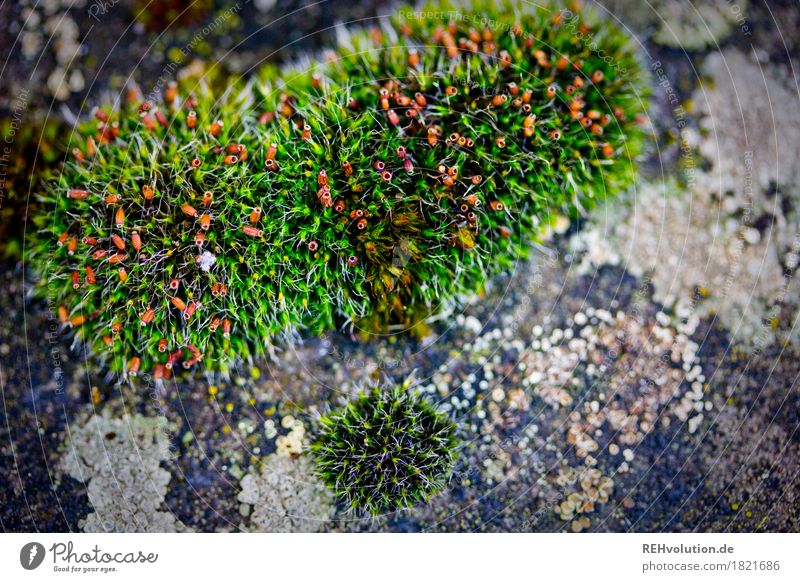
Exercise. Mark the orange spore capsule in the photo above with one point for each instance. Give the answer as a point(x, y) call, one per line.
point(76, 279)
point(251, 231)
point(215, 323)
point(77, 321)
point(77, 194)
point(90, 278)
point(272, 151)
point(123, 274)
point(136, 241)
point(190, 309)
point(118, 242)
point(189, 210)
point(147, 316)
point(72, 245)
point(119, 218)
point(117, 258)
point(111, 199)
point(133, 365)
point(255, 215)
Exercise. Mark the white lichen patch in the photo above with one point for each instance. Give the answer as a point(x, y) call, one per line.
point(285, 496)
point(119, 461)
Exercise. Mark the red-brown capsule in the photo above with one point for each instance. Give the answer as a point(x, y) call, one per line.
point(99, 254)
point(78, 155)
point(450, 91)
point(76, 279)
point(413, 58)
point(116, 327)
point(190, 309)
point(230, 160)
point(226, 327)
point(496, 205)
point(89, 240)
point(189, 210)
point(108, 340)
point(147, 192)
point(77, 194)
point(63, 315)
point(214, 324)
point(208, 198)
point(361, 224)
point(118, 242)
point(348, 168)
point(306, 135)
point(223, 290)
point(386, 175)
point(272, 151)
point(379, 165)
point(551, 91)
point(433, 136)
point(597, 76)
point(251, 231)
point(173, 359)
point(117, 258)
point(191, 119)
point(322, 178)
point(216, 128)
point(555, 135)
point(271, 165)
point(91, 148)
point(148, 122)
point(158, 373)
point(199, 239)
point(255, 215)
point(205, 221)
point(123, 274)
point(147, 316)
point(119, 218)
point(476, 179)
point(401, 152)
point(338, 206)
point(161, 119)
point(90, 278)
point(499, 99)
point(313, 246)
point(500, 141)
point(408, 165)
point(162, 345)
point(136, 241)
point(133, 365)
point(77, 321)
point(72, 245)
point(196, 163)
point(352, 260)
point(174, 283)
point(266, 117)
point(100, 115)
point(178, 303)
point(394, 119)
point(62, 238)
point(111, 199)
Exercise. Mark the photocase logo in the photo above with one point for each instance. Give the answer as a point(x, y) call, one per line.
point(31, 555)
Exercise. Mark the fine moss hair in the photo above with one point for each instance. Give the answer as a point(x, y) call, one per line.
point(389, 449)
point(364, 188)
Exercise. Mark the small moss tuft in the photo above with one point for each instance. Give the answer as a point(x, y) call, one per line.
point(389, 449)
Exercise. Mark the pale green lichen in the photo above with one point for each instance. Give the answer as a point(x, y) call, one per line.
point(285, 496)
point(119, 461)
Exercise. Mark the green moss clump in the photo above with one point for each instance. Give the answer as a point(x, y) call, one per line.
point(389, 449)
point(365, 189)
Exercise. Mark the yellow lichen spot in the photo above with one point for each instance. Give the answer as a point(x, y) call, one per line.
point(212, 390)
point(226, 429)
point(255, 373)
point(735, 506)
point(251, 401)
point(229, 407)
point(270, 411)
point(774, 323)
point(704, 292)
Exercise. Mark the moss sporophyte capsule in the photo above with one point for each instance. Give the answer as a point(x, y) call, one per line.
point(327, 175)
